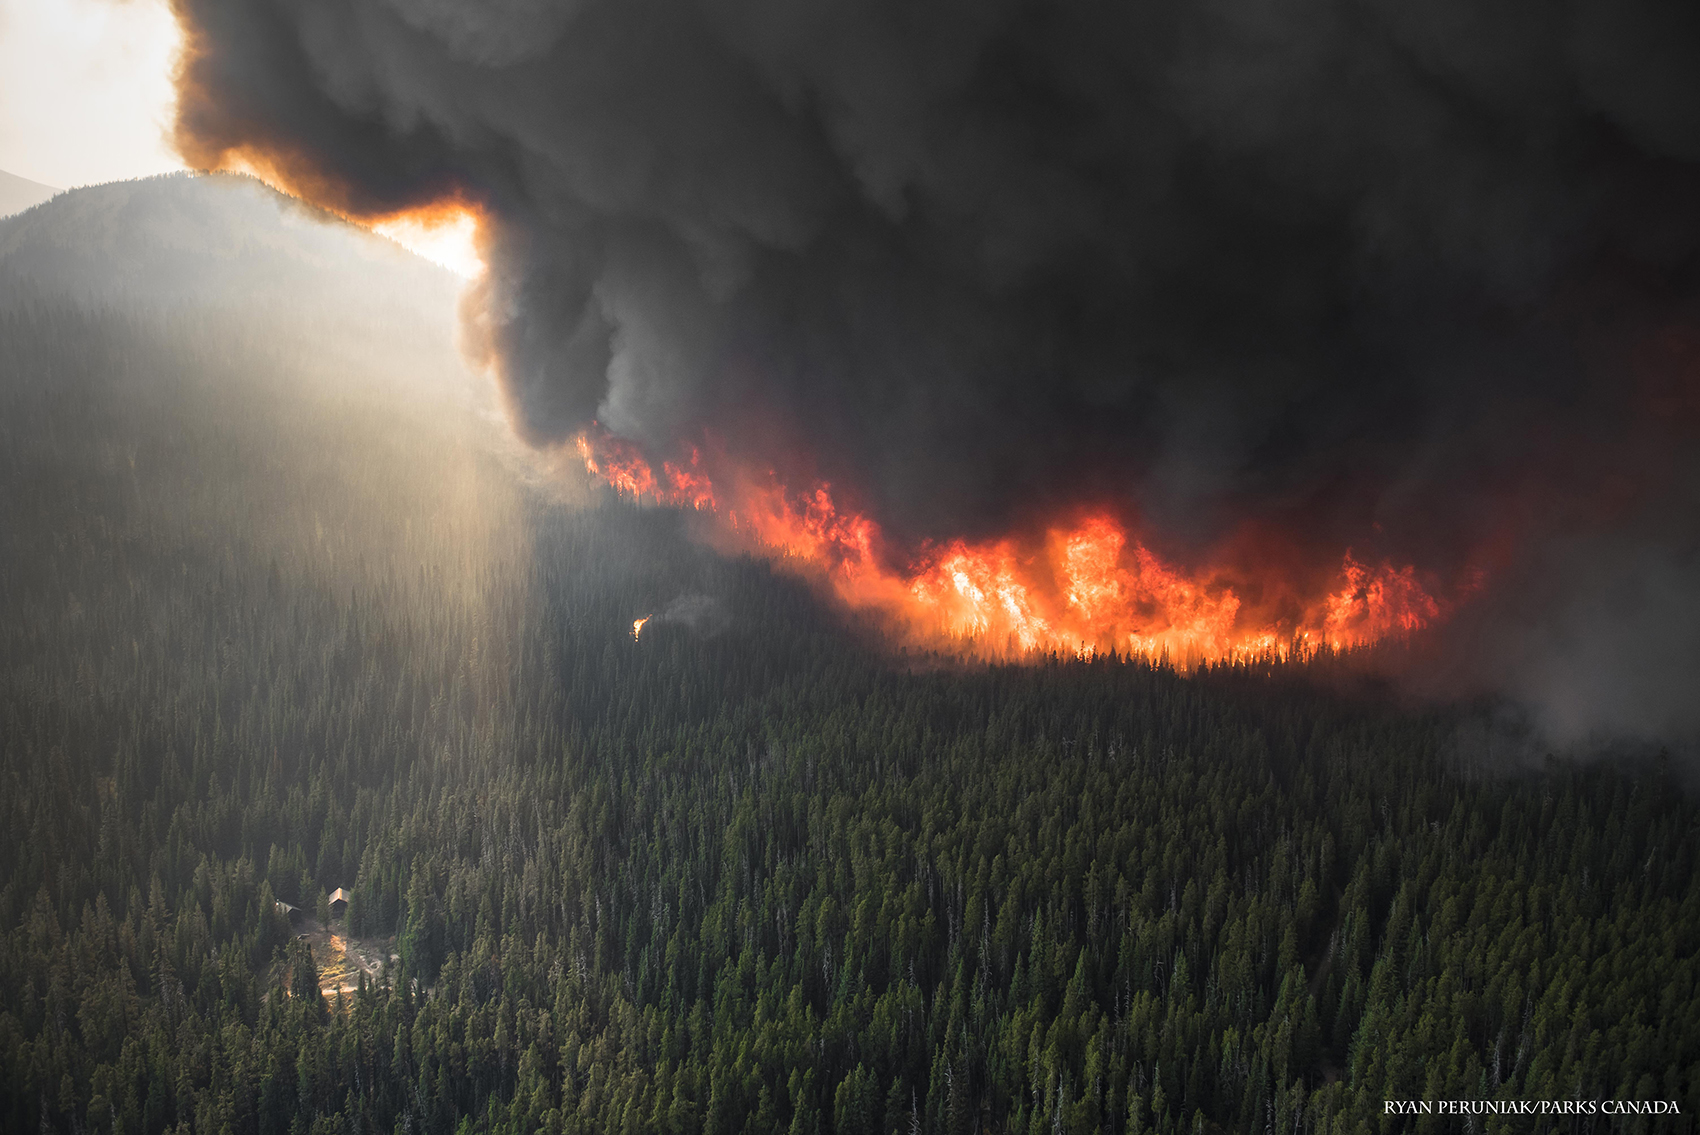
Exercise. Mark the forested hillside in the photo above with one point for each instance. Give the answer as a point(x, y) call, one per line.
point(278, 616)
point(165, 244)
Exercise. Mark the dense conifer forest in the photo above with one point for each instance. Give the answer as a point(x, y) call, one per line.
point(275, 619)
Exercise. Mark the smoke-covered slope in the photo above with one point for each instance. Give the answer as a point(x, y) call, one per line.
point(19, 193)
point(184, 239)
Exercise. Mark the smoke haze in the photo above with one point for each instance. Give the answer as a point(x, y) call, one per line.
point(1271, 280)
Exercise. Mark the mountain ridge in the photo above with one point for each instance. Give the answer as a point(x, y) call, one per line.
point(20, 193)
point(185, 238)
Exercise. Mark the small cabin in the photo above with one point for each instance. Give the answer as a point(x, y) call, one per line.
point(339, 903)
point(293, 913)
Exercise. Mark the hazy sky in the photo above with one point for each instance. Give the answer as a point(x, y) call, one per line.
point(85, 89)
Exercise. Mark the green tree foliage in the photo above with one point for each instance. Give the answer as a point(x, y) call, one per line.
point(744, 874)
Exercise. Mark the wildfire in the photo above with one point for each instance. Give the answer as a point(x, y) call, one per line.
point(637, 625)
point(1089, 586)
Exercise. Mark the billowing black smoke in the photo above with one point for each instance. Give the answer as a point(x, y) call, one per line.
point(1379, 273)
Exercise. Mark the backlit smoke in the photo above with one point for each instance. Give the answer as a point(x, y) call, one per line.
point(1270, 289)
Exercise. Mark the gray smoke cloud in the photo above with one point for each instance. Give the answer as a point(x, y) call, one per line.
point(1354, 272)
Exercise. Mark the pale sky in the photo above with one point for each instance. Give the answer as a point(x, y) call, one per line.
point(85, 90)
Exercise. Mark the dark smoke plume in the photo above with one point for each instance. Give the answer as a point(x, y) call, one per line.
point(1418, 278)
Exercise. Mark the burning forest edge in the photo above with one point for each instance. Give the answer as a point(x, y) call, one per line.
point(1088, 587)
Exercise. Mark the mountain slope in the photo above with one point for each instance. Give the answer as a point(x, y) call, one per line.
point(19, 193)
point(230, 256)
point(195, 239)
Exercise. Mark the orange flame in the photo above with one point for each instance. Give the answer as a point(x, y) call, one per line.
point(637, 625)
point(1090, 586)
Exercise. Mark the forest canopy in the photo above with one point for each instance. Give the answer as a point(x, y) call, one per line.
point(264, 634)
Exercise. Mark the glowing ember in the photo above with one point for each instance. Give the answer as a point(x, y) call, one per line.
point(1088, 587)
point(637, 625)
